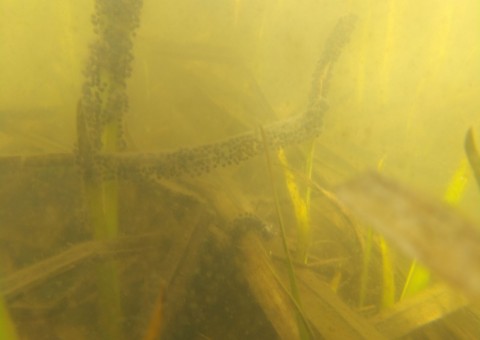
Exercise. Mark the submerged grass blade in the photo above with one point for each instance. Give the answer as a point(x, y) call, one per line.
point(7, 328)
point(417, 280)
point(303, 326)
point(308, 193)
point(388, 292)
point(366, 260)
point(456, 187)
point(388, 273)
point(300, 207)
point(473, 155)
point(424, 229)
point(154, 328)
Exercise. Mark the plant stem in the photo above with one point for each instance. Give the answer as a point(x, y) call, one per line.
point(302, 322)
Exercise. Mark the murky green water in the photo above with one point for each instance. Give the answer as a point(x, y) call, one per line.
point(157, 160)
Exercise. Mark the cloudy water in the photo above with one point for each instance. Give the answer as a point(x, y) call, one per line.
point(197, 170)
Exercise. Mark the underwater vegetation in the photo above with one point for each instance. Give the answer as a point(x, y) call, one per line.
point(229, 239)
point(473, 155)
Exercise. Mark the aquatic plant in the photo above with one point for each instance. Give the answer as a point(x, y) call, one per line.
point(100, 129)
point(7, 327)
point(473, 155)
point(102, 161)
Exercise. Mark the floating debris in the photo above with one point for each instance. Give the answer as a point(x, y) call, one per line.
point(424, 229)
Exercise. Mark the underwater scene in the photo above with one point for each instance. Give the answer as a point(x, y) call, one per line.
point(239, 169)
